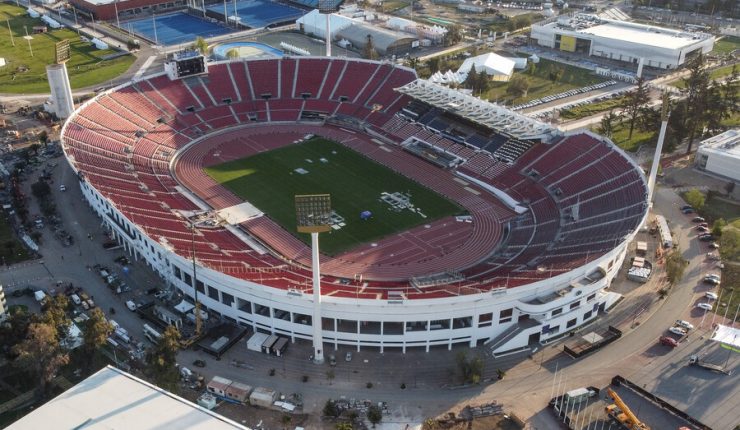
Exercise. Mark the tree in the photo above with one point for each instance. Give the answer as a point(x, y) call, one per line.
point(555, 74)
point(730, 244)
point(675, 266)
point(433, 65)
point(695, 198)
point(160, 360)
point(718, 226)
point(696, 94)
point(200, 45)
point(454, 35)
point(41, 355)
point(369, 52)
point(43, 137)
point(330, 409)
point(522, 21)
point(470, 369)
point(94, 333)
point(232, 54)
point(634, 101)
point(518, 86)
point(40, 189)
point(608, 122)
point(374, 415)
point(531, 67)
point(471, 81)
point(16, 327)
point(55, 315)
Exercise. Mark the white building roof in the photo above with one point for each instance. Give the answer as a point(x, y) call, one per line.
point(643, 35)
point(114, 399)
point(491, 63)
point(314, 22)
point(726, 144)
point(630, 32)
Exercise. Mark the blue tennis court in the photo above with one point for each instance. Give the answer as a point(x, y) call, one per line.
point(258, 13)
point(175, 28)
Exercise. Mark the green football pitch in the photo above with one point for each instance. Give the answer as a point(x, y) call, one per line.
point(270, 181)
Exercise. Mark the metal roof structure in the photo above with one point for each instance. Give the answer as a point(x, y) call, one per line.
point(384, 40)
point(482, 112)
point(114, 399)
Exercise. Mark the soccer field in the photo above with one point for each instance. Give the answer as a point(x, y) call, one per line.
point(270, 181)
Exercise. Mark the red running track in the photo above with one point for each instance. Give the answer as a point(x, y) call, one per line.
point(443, 245)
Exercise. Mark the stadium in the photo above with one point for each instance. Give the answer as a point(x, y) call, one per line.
point(456, 221)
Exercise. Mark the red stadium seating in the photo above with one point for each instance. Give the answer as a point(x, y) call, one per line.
point(583, 196)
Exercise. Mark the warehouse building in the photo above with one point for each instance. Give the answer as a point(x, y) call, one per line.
point(114, 399)
point(720, 155)
point(630, 42)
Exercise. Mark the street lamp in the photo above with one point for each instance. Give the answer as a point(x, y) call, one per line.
point(313, 214)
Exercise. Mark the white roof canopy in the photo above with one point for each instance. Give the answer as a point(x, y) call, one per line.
point(482, 112)
point(492, 64)
point(727, 336)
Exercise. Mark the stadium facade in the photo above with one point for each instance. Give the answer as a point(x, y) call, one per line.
point(565, 206)
point(630, 42)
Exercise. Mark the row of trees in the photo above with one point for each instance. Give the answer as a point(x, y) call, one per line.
point(705, 104)
point(38, 340)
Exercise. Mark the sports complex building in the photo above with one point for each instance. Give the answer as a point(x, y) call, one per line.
point(658, 47)
point(488, 227)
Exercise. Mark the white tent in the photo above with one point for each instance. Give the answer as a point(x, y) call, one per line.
point(729, 337)
point(496, 66)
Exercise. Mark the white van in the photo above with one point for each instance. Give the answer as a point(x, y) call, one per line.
point(131, 305)
point(75, 299)
point(114, 324)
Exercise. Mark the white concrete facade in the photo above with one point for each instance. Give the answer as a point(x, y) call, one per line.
point(720, 155)
point(572, 300)
point(624, 41)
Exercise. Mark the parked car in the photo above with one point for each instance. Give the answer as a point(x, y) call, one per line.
point(131, 305)
point(683, 208)
point(703, 224)
point(706, 238)
point(332, 360)
point(711, 281)
point(712, 275)
point(698, 219)
point(685, 324)
point(199, 363)
point(712, 256)
point(702, 229)
point(668, 341)
point(348, 356)
point(678, 330)
point(705, 306)
point(688, 210)
point(711, 296)
point(62, 188)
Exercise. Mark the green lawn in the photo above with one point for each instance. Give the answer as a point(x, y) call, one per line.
point(540, 84)
point(26, 74)
point(726, 45)
point(10, 253)
point(730, 282)
point(589, 109)
point(716, 74)
point(621, 137)
point(269, 181)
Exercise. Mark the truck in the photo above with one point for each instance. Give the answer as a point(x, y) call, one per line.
point(694, 360)
point(620, 412)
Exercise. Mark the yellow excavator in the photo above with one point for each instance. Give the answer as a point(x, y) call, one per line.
point(622, 413)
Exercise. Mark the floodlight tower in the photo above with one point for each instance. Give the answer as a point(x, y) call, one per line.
point(665, 114)
point(61, 90)
point(313, 214)
point(328, 7)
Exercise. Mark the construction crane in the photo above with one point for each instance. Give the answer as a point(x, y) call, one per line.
point(622, 413)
